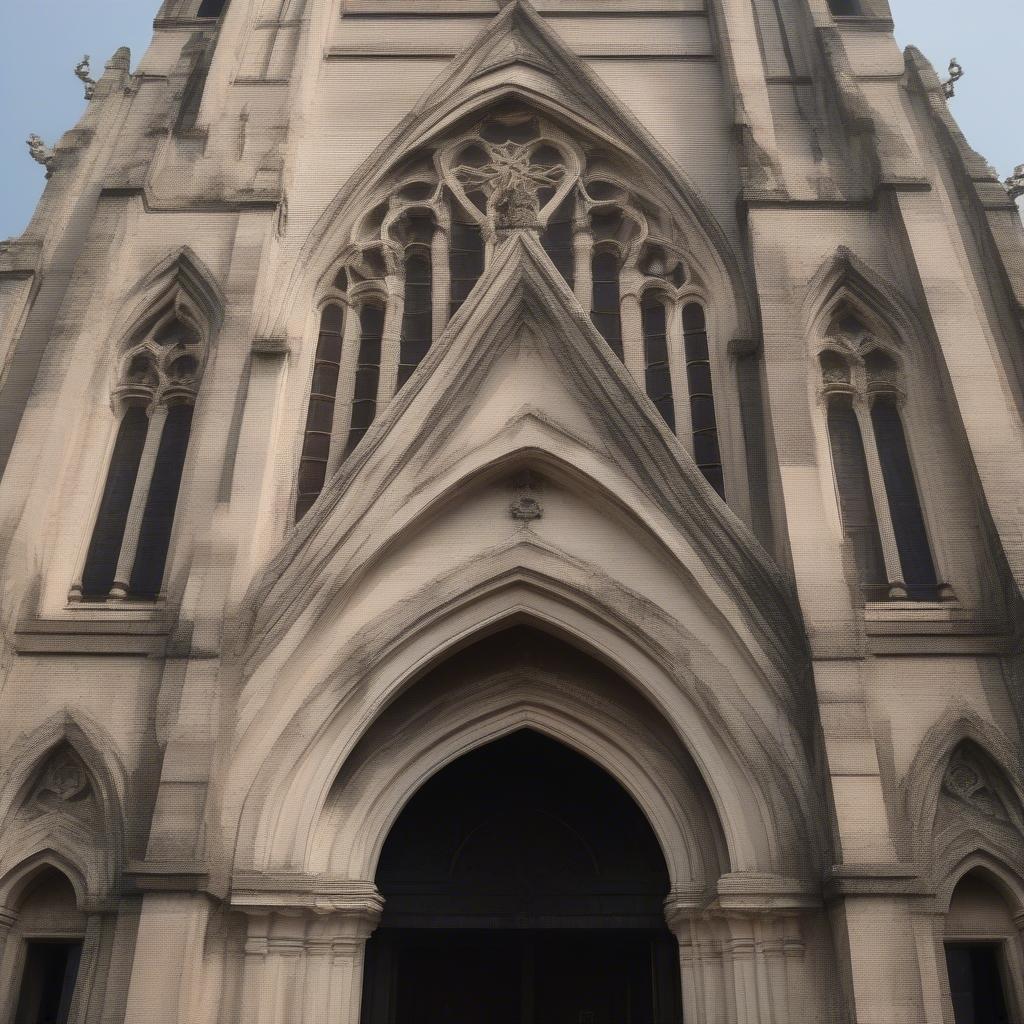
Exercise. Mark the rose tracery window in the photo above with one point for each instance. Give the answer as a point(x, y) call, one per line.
point(415, 258)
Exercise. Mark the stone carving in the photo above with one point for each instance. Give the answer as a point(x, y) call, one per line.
point(526, 505)
point(956, 72)
point(966, 780)
point(82, 73)
point(63, 786)
point(1015, 182)
point(511, 176)
point(40, 152)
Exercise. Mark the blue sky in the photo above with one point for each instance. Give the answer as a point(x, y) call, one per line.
point(42, 40)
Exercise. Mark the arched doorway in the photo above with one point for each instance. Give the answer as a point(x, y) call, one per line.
point(523, 885)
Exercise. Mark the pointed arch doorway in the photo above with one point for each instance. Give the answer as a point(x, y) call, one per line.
point(523, 885)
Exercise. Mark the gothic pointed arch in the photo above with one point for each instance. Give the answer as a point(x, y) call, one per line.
point(64, 798)
point(524, 303)
point(762, 806)
point(964, 791)
point(517, 59)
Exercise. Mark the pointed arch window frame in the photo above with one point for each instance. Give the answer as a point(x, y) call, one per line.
point(862, 394)
point(156, 464)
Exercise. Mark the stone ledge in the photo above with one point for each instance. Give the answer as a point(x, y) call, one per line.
point(167, 876)
point(146, 632)
point(904, 879)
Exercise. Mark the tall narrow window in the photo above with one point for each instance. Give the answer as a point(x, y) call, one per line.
point(556, 238)
point(417, 318)
point(466, 261)
point(158, 517)
point(656, 373)
point(904, 504)
point(316, 444)
point(706, 451)
point(844, 8)
point(158, 385)
point(855, 502)
point(108, 535)
point(604, 309)
point(364, 397)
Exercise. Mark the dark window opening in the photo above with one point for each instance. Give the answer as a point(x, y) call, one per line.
point(706, 451)
point(316, 443)
point(364, 397)
point(604, 308)
point(417, 315)
point(108, 533)
point(48, 982)
point(211, 8)
point(657, 379)
point(856, 505)
point(975, 985)
point(556, 238)
point(904, 503)
point(844, 8)
point(158, 517)
point(466, 262)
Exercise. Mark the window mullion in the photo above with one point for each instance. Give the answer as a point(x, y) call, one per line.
point(880, 499)
point(583, 254)
point(391, 342)
point(345, 391)
point(140, 493)
point(677, 375)
point(633, 338)
point(440, 281)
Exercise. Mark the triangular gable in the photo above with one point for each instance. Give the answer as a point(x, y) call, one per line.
point(521, 294)
point(518, 55)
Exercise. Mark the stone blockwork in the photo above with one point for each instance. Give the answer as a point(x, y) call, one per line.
point(348, 339)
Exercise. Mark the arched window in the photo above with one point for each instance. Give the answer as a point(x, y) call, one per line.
point(878, 494)
point(127, 554)
point(466, 261)
point(657, 379)
point(364, 397)
point(856, 504)
point(605, 313)
point(557, 239)
point(316, 443)
point(417, 313)
point(706, 451)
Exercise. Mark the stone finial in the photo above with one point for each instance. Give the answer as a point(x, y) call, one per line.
point(40, 152)
point(1015, 182)
point(82, 73)
point(956, 72)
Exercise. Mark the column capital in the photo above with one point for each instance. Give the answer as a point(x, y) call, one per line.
point(351, 905)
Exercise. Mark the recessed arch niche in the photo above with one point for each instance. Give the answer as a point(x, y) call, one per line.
point(524, 812)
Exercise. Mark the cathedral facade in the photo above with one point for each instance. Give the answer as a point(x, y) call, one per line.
point(513, 512)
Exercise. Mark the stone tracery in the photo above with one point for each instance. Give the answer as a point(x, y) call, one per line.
point(416, 253)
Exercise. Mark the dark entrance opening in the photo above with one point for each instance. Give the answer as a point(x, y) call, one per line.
point(523, 886)
point(975, 985)
point(48, 982)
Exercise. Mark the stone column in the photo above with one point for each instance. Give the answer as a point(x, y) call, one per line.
point(391, 342)
point(440, 282)
point(583, 250)
point(304, 952)
point(168, 961)
point(633, 338)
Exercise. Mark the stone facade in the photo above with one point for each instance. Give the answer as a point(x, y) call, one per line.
point(372, 377)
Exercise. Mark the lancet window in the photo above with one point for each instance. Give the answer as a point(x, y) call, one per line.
point(863, 387)
point(158, 378)
point(414, 258)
